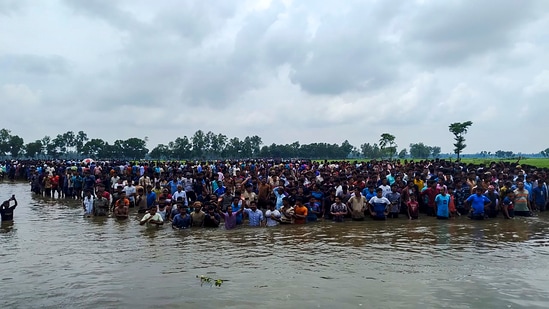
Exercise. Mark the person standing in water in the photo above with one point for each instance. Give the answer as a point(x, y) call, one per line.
point(6, 211)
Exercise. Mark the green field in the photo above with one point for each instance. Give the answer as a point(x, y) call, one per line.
point(537, 162)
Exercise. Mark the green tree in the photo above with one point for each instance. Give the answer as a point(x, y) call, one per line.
point(93, 148)
point(33, 149)
point(79, 141)
point(420, 151)
point(198, 142)
point(388, 145)
point(5, 136)
point(16, 146)
point(345, 149)
point(182, 148)
point(370, 151)
point(435, 151)
point(403, 153)
point(545, 152)
point(161, 152)
point(459, 129)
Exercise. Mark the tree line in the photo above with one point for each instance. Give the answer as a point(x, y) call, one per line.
point(210, 145)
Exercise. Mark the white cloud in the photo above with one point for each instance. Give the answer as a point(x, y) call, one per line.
point(313, 71)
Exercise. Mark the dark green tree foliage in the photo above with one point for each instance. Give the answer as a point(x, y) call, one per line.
point(4, 141)
point(459, 129)
point(33, 149)
point(371, 151)
point(388, 145)
point(16, 146)
point(402, 154)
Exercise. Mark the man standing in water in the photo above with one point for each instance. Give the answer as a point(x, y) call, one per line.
point(6, 211)
point(152, 218)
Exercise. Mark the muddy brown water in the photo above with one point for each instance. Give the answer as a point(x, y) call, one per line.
point(52, 257)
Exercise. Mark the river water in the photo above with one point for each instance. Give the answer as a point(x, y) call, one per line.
point(52, 257)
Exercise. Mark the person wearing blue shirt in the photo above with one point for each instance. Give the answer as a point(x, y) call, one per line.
point(478, 202)
point(539, 196)
point(151, 197)
point(255, 216)
point(442, 202)
point(313, 210)
point(235, 206)
point(379, 205)
point(221, 189)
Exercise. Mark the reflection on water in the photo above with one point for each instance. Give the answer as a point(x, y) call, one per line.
point(53, 257)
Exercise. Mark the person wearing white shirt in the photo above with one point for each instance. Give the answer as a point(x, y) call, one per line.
point(180, 193)
point(272, 215)
point(88, 204)
point(131, 192)
point(152, 218)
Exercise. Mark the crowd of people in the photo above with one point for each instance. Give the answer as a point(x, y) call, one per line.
point(269, 193)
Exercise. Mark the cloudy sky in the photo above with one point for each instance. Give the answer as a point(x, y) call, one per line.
point(312, 71)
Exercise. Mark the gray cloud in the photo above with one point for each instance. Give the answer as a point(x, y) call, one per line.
point(446, 33)
point(34, 64)
point(309, 71)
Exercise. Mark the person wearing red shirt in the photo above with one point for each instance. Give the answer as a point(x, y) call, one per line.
point(431, 193)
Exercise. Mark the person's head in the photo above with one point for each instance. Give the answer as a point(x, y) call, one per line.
point(152, 211)
point(197, 206)
point(510, 194)
point(149, 188)
point(379, 192)
point(491, 188)
point(357, 191)
point(179, 188)
point(183, 210)
point(271, 205)
point(338, 200)
point(253, 205)
point(236, 200)
point(443, 190)
point(412, 197)
point(520, 185)
point(478, 190)
point(394, 187)
point(87, 193)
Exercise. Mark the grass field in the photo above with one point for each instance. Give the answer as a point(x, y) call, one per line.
point(537, 162)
